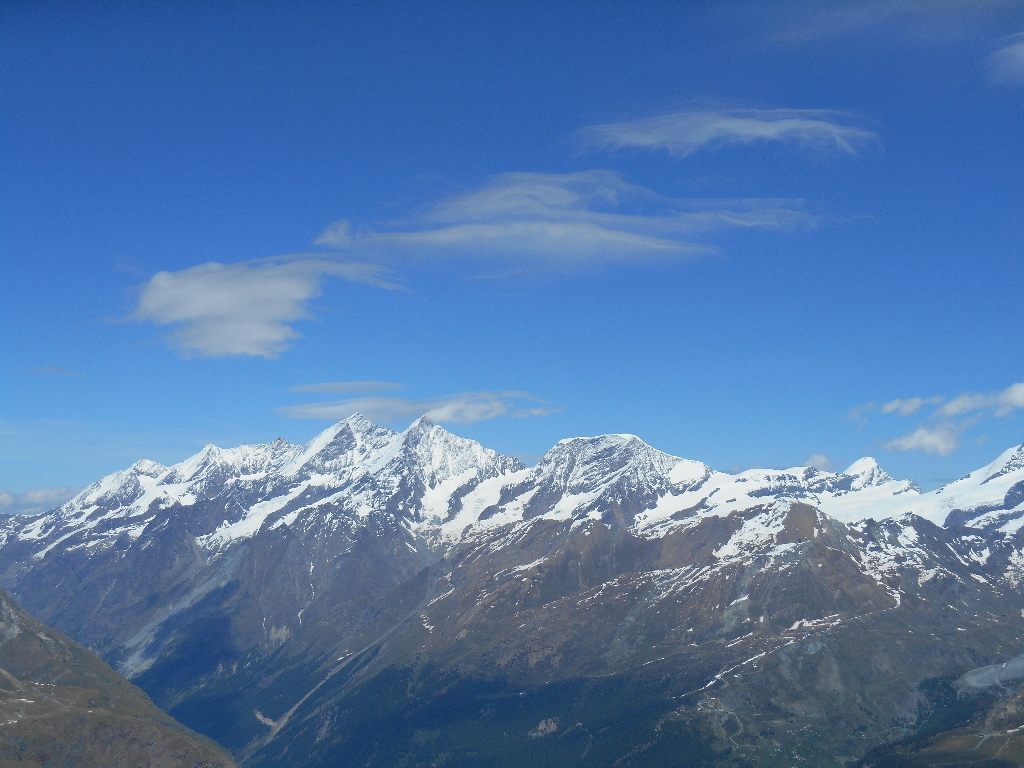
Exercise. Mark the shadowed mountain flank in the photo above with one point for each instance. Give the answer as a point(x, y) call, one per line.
point(60, 705)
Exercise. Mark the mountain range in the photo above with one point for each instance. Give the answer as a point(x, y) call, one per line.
point(384, 598)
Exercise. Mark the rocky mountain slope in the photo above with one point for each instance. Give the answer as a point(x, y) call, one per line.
point(61, 705)
point(395, 598)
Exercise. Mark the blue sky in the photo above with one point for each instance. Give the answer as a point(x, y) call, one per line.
point(754, 234)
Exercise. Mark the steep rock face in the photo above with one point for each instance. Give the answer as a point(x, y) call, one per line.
point(61, 705)
point(260, 593)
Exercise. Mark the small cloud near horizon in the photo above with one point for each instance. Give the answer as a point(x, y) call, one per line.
point(942, 439)
point(32, 502)
point(820, 462)
point(1002, 403)
point(949, 419)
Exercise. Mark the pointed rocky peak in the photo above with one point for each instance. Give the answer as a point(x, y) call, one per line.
point(360, 425)
point(191, 466)
point(115, 485)
point(348, 442)
point(867, 473)
point(436, 454)
point(420, 429)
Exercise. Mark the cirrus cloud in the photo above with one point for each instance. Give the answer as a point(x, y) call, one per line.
point(566, 219)
point(683, 133)
point(1006, 65)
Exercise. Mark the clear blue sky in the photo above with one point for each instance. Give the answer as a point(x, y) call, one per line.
point(751, 233)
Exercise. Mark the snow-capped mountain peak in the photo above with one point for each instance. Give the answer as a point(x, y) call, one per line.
point(348, 443)
point(585, 463)
point(446, 486)
point(867, 473)
point(990, 497)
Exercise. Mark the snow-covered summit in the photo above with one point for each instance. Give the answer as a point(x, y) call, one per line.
point(867, 474)
point(990, 497)
point(621, 480)
point(354, 466)
point(441, 488)
point(585, 464)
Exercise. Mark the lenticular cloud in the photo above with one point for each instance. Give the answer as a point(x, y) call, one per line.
point(244, 308)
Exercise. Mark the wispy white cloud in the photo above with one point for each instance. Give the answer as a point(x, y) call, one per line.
point(461, 408)
point(347, 387)
point(942, 439)
point(31, 502)
point(903, 21)
point(565, 219)
point(910, 404)
point(861, 413)
point(1006, 65)
point(819, 461)
point(243, 308)
point(944, 425)
point(683, 133)
point(1000, 403)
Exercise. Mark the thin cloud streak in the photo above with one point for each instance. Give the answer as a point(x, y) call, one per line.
point(683, 133)
point(567, 219)
point(902, 21)
point(461, 408)
point(1006, 65)
point(243, 308)
point(347, 387)
point(909, 405)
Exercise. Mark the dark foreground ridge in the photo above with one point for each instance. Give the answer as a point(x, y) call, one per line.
point(413, 599)
point(60, 705)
